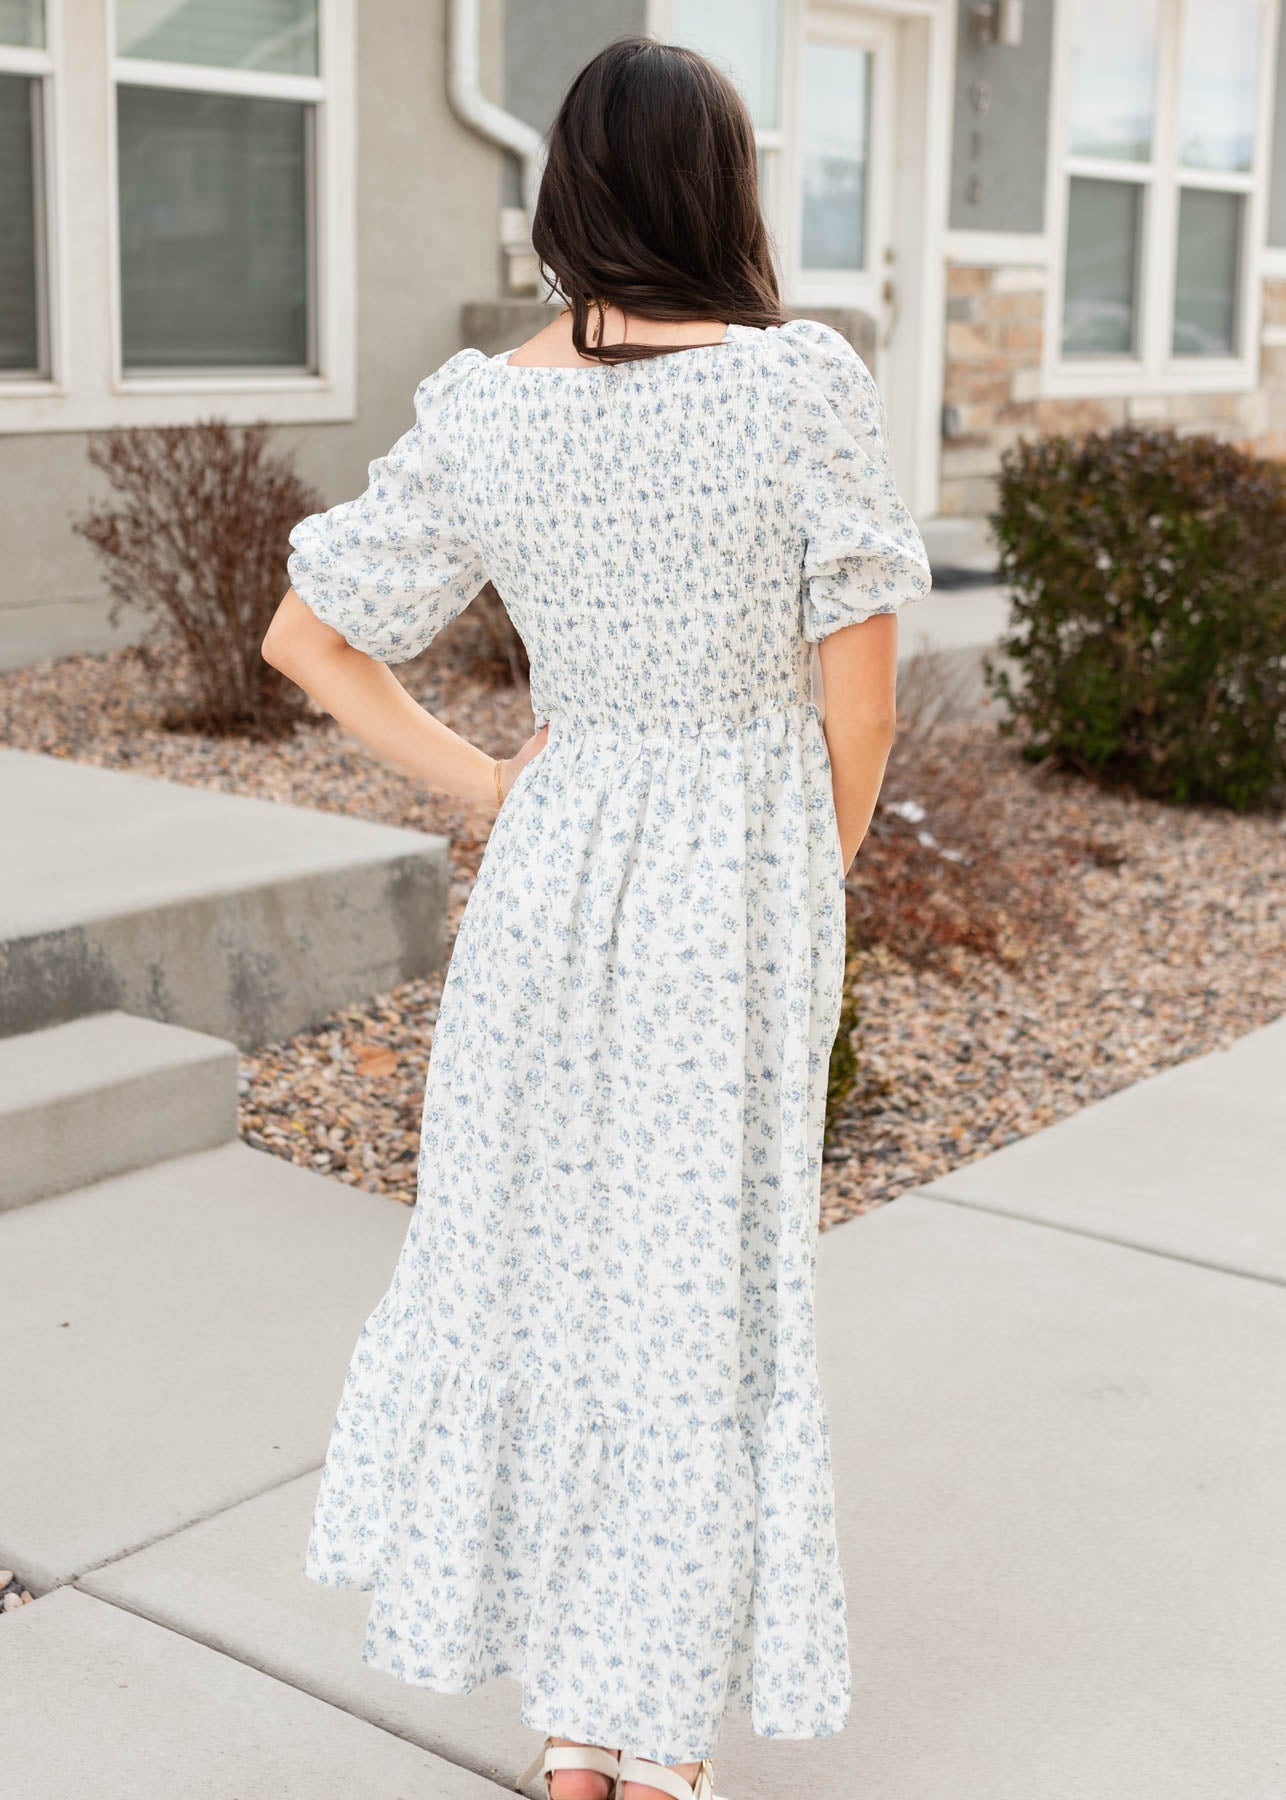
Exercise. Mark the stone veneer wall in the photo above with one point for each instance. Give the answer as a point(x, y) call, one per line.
point(995, 335)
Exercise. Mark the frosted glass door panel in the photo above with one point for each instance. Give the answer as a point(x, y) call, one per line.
point(214, 234)
point(277, 37)
point(835, 148)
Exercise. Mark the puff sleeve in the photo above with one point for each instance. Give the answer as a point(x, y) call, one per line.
point(391, 568)
point(862, 553)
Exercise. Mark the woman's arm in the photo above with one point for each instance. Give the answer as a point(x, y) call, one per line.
point(859, 679)
point(368, 699)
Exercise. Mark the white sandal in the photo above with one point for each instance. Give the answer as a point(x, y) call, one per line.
point(553, 1756)
point(657, 1775)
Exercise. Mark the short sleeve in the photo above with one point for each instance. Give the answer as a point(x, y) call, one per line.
point(862, 551)
point(391, 568)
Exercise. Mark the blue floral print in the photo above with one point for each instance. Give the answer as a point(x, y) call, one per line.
point(581, 1440)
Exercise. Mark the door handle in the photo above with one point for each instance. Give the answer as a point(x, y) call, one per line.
point(892, 306)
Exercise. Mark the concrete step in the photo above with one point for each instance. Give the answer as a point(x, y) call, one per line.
point(101, 1095)
point(102, 1705)
point(237, 917)
point(172, 1341)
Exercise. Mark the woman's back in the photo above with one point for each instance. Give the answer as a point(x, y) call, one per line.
point(669, 535)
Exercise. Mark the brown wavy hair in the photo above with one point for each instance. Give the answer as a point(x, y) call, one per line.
point(650, 197)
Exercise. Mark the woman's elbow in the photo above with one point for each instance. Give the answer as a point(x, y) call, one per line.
point(289, 632)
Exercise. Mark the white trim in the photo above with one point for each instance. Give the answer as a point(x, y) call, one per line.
point(209, 78)
point(40, 67)
point(88, 390)
point(832, 25)
point(1272, 263)
point(17, 59)
point(1155, 369)
point(997, 249)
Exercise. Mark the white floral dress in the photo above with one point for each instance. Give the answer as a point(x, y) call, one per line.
point(581, 1441)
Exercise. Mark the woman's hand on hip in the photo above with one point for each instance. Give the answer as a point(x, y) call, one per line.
point(513, 766)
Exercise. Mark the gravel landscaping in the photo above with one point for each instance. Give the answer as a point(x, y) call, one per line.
point(13, 1592)
point(1152, 934)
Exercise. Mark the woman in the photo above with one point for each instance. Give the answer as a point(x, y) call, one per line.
point(581, 1439)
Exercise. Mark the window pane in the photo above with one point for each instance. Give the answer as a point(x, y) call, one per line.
point(1220, 83)
point(1206, 288)
point(214, 230)
point(1113, 78)
point(1102, 263)
point(834, 141)
point(279, 36)
point(19, 236)
point(22, 22)
point(745, 38)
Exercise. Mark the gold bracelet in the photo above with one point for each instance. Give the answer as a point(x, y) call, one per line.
point(499, 796)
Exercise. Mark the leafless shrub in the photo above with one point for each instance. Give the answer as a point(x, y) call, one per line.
point(944, 868)
point(198, 544)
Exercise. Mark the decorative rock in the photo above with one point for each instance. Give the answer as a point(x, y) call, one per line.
point(1176, 917)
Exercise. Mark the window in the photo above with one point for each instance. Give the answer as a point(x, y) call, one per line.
point(178, 231)
point(216, 105)
point(26, 71)
point(1162, 181)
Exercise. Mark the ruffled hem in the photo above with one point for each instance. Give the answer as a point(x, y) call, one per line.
point(498, 1522)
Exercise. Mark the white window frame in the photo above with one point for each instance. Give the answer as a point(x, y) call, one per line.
point(87, 388)
point(1154, 369)
point(41, 66)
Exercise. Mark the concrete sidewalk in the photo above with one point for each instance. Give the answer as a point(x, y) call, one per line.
point(1057, 1386)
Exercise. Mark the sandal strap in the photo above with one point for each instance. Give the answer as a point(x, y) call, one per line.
point(657, 1775)
point(534, 1767)
point(553, 1756)
point(582, 1756)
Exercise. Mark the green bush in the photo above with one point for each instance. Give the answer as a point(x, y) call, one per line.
point(1149, 612)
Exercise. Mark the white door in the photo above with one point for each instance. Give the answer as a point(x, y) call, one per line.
point(840, 167)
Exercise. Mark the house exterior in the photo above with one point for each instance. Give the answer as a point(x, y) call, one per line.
point(1030, 215)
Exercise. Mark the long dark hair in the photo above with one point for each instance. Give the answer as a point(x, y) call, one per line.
point(650, 196)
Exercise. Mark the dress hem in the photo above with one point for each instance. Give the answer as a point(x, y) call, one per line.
point(554, 1724)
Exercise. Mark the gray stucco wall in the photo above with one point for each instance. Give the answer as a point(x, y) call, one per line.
point(546, 42)
point(1004, 149)
point(1277, 179)
point(426, 243)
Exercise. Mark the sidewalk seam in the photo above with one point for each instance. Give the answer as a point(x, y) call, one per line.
point(272, 1675)
point(1101, 1237)
point(107, 1562)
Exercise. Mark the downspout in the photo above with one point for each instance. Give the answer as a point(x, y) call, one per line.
point(464, 28)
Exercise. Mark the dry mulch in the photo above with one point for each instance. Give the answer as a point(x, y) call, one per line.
point(1137, 935)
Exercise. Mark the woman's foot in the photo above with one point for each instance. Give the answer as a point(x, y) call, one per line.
point(637, 1790)
point(580, 1784)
